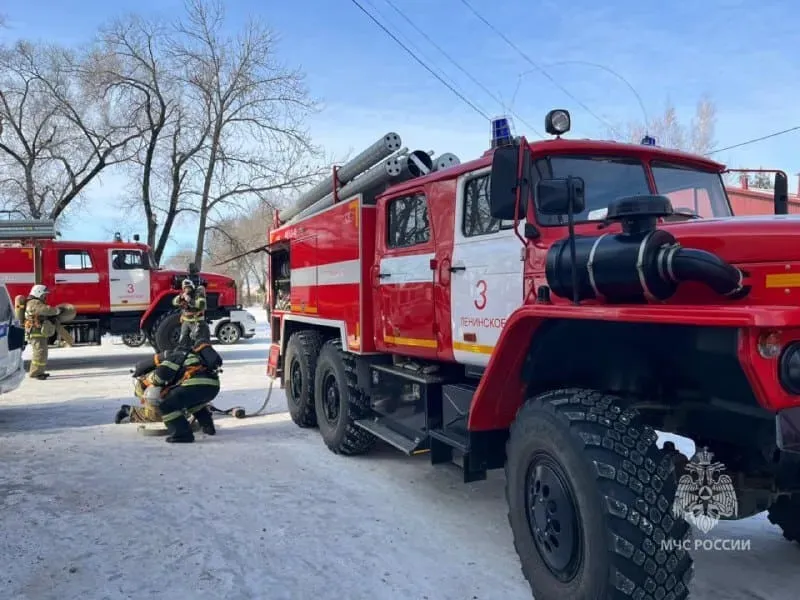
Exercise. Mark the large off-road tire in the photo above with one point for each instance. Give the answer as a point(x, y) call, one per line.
point(300, 363)
point(167, 331)
point(590, 501)
point(338, 404)
point(785, 513)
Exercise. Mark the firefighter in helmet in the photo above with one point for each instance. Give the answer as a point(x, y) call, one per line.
point(173, 385)
point(39, 328)
point(192, 302)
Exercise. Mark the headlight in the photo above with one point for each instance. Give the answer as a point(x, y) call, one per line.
point(789, 369)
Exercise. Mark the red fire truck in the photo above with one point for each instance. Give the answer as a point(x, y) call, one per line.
point(547, 308)
point(116, 287)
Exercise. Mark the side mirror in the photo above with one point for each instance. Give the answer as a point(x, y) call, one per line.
point(558, 197)
point(16, 337)
point(781, 194)
point(503, 183)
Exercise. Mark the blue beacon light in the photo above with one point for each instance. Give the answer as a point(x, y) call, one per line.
point(648, 141)
point(501, 132)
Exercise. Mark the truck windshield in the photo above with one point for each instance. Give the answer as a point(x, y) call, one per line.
point(608, 178)
point(605, 179)
point(697, 192)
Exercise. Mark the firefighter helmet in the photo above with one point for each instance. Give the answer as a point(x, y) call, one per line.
point(187, 283)
point(39, 291)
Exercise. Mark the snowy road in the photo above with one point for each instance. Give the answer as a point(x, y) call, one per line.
point(92, 510)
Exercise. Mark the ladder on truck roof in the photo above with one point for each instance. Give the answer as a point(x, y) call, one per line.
point(27, 229)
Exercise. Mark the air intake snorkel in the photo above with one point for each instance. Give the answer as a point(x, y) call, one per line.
point(640, 264)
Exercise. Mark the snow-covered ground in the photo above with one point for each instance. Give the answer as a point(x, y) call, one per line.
point(93, 510)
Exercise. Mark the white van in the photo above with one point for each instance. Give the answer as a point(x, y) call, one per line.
point(12, 341)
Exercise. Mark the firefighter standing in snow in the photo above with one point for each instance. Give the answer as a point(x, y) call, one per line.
point(192, 302)
point(38, 328)
point(173, 385)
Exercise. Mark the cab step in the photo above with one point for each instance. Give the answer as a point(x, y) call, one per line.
point(384, 432)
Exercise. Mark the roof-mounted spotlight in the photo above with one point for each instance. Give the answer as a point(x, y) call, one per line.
point(557, 122)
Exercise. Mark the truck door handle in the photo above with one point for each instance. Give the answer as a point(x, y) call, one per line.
point(384, 275)
point(115, 279)
point(458, 268)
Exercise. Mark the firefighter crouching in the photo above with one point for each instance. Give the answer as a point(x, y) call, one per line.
point(175, 384)
point(192, 302)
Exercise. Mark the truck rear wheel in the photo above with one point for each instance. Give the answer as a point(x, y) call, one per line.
point(590, 501)
point(302, 351)
point(335, 409)
point(785, 513)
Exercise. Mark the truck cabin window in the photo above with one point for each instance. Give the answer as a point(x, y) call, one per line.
point(477, 220)
point(74, 260)
point(692, 192)
point(123, 260)
point(408, 223)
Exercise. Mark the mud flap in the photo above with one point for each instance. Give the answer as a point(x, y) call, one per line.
point(787, 430)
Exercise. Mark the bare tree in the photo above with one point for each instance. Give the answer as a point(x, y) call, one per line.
point(137, 60)
point(669, 132)
point(255, 108)
point(60, 131)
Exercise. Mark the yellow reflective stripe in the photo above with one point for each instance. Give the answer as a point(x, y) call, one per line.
point(176, 414)
point(201, 381)
point(38, 363)
point(195, 409)
point(169, 364)
point(192, 360)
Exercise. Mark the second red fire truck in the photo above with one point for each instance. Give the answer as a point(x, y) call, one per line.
point(545, 309)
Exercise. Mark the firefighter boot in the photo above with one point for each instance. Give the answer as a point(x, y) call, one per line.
point(206, 421)
point(180, 432)
point(123, 413)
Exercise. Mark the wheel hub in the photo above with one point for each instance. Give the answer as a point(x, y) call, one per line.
point(227, 334)
point(553, 518)
point(330, 402)
point(295, 380)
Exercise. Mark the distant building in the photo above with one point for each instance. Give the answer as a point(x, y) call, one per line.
point(748, 201)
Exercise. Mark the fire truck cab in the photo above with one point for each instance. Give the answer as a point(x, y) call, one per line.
point(116, 287)
point(547, 308)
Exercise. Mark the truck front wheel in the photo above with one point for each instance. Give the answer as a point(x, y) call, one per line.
point(302, 351)
point(785, 513)
point(167, 331)
point(590, 500)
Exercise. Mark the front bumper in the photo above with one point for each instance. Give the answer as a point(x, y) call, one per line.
point(787, 426)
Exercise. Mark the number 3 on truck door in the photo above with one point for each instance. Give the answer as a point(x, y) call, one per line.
point(131, 288)
point(480, 302)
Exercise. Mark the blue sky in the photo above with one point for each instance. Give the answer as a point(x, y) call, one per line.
point(744, 59)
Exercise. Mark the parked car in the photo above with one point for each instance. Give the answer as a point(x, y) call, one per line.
point(228, 330)
point(12, 343)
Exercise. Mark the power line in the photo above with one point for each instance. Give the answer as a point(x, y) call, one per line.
point(537, 67)
point(754, 140)
point(458, 66)
point(421, 62)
